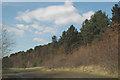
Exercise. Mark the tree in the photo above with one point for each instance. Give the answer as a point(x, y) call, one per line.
point(54, 44)
point(68, 38)
point(7, 42)
point(116, 14)
point(34, 64)
point(92, 28)
point(85, 33)
point(80, 38)
point(71, 35)
point(62, 38)
point(54, 39)
point(24, 65)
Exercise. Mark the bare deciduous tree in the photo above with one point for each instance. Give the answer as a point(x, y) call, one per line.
point(6, 41)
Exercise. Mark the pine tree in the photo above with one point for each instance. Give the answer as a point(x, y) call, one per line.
point(116, 14)
point(54, 39)
point(92, 28)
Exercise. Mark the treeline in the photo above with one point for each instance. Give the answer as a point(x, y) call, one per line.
point(92, 45)
point(90, 30)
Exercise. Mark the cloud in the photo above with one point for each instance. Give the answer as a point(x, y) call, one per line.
point(59, 14)
point(87, 15)
point(15, 31)
point(38, 27)
point(39, 33)
point(40, 40)
point(12, 30)
point(24, 16)
point(50, 30)
point(24, 27)
point(44, 29)
point(40, 30)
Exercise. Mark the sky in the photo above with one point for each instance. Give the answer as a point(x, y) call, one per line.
point(59, 0)
point(34, 23)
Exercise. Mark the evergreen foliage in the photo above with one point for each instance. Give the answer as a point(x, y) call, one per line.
point(54, 39)
point(92, 28)
point(116, 14)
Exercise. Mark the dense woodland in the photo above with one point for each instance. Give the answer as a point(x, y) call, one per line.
point(95, 44)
